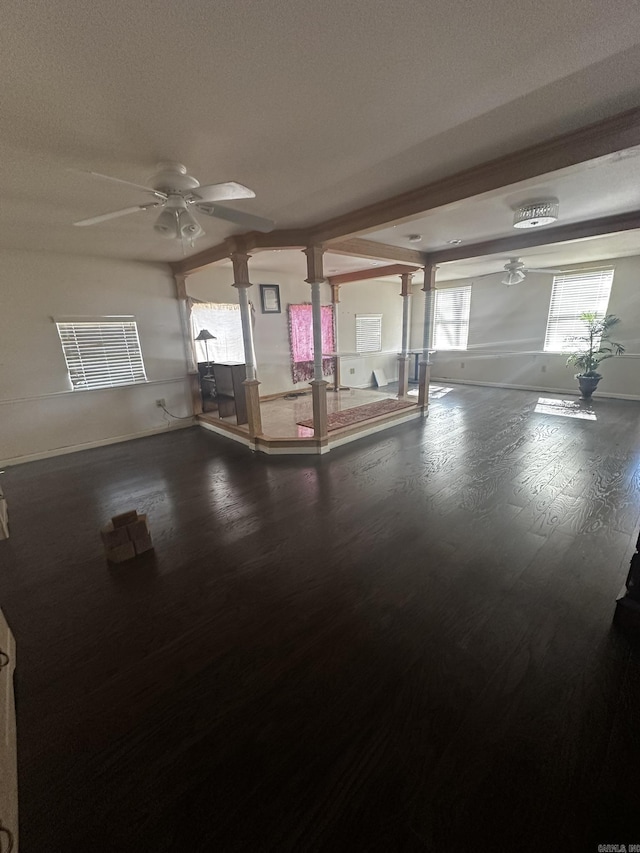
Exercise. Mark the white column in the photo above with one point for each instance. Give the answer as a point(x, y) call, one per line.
point(316, 310)
point(403, 358)
point(241, 281)
point(315, 277)
point(425, 367)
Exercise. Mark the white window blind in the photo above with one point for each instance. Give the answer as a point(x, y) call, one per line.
point(574, 294)
point(451, 318)
point(102, 353)
point(222, 319)
point(368, 332)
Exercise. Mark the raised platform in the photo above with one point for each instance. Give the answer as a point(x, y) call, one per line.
point(284, 434)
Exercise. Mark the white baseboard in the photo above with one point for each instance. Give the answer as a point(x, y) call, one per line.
point(347, 439)
point(543, 389)
point(76, 448)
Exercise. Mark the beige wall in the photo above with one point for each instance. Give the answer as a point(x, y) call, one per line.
point(271, 332)
point(38, 411)
point(507, 329)
point(370, 297)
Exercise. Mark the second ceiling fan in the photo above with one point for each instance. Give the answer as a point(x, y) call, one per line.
point(516, 272)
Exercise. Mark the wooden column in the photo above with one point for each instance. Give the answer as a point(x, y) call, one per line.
point(315, 277)
point(425, 364)
point(240, 261)
point(335, 301)
point(403, 358)
point(189, 348)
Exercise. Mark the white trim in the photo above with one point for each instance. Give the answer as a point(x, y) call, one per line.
point(413, 415)
point(69, 393)
point(314, 450)
point(477, 351)
point(575, 392)
point(239, 439)
point(76, 448)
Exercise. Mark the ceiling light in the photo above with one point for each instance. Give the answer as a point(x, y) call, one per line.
point(375, 263)
point(536, 213)
point(414, 238)
point(455, 242)
point(166, 224)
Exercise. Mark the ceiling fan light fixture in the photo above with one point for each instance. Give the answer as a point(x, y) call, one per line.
point(513, 277)
point(166, 224)
point(188, 226)
point(536, 214)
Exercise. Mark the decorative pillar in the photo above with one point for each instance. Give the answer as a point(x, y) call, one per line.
point(240, 261)
point(315, 277)
point(403, 358)
point(335, 301)
point(425, 363)
point(189, 348)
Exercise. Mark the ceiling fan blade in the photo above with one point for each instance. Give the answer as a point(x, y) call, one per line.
point(221, 192)
point(486, 274)
point(247, 220)
point(549, 272)
point(120, 181)
point(103, 217)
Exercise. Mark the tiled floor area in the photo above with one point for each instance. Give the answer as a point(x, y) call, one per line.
point(280, 417)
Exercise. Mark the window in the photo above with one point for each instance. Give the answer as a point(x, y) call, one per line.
point(451, 318)
point(573, 294)
point(223, 321)
point(368, 332)
point(102, 353)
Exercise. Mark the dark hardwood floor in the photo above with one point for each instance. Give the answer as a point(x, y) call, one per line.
point(403, 646)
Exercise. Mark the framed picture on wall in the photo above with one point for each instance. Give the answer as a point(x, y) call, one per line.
point(270, 298)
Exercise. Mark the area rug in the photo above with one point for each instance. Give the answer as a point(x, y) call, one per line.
point(337, 420)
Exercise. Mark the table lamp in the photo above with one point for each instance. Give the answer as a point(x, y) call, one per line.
point(206, 336)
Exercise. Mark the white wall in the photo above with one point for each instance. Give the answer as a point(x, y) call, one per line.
point(271, 332)
point(507, 328)
point(370, 297)
point(38, 411)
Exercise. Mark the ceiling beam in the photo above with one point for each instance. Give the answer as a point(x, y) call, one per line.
point(291, 238)
point(373, 272)
point(612, 134)
point(543, 237)
point(201, 260)
point(380, 251)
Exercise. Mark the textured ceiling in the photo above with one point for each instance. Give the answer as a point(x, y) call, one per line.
point(320, 107)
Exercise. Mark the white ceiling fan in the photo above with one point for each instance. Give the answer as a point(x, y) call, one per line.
point(516, 271)
point(175, 194)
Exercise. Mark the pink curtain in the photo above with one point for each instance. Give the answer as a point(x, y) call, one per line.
point(301, 340)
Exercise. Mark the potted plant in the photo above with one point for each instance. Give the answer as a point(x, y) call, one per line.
point(592, 348)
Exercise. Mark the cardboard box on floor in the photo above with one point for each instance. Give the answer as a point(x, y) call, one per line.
point(126, 536)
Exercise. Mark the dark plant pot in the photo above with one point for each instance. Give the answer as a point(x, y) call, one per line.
point(588, 384)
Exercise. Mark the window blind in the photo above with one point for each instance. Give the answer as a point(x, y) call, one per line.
point(102, 353)
point(451, 318)
point(573, 294)
point(368, 332)
point(222, 319)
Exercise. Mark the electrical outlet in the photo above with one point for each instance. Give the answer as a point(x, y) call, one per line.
point(462, 364)
point(161, 403)
point(352, 370)
point(543, 369)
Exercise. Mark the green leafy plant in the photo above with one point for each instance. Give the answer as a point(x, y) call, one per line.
point(594, 346)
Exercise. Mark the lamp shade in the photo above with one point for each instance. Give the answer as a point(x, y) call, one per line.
point(205, 335)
